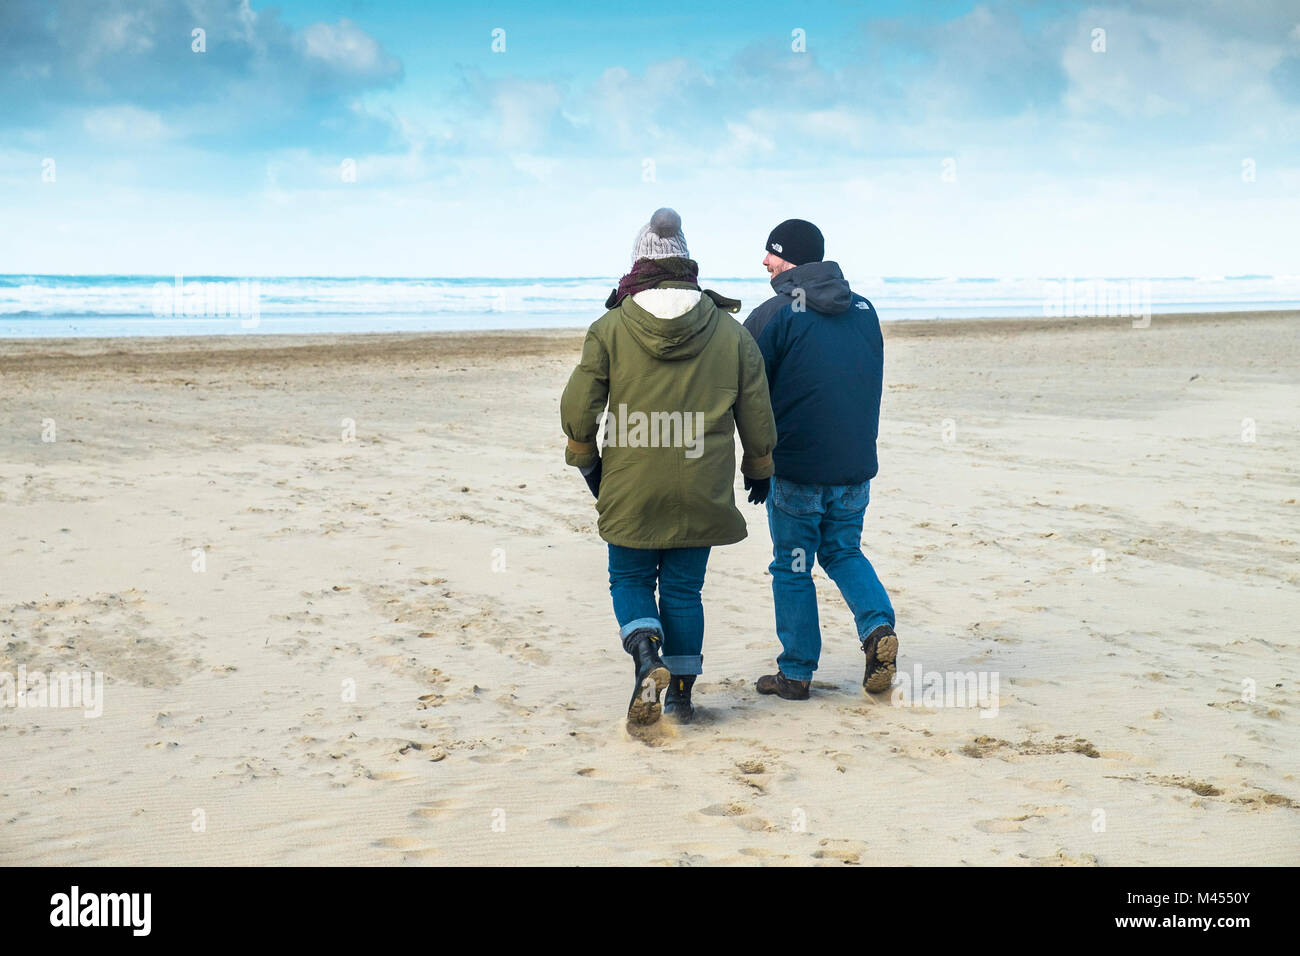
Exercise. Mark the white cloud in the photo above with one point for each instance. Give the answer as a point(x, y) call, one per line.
point(742, 143)
point(346, 47)
point(524, 111)
point(541, 168)
point(1157, 66)
point(125, 123)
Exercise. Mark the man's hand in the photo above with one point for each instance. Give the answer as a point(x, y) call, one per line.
point(758, 489)
point(592, 478)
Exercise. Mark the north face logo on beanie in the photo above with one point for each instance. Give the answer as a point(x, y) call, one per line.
point(797, 241)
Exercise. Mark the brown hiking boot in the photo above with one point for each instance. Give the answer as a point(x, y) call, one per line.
point(783, 686)
point(881, 648)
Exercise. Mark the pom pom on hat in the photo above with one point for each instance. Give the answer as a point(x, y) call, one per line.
point(661, 238)
point(666, 223)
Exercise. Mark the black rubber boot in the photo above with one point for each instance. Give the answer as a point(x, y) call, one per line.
point(677, 704)
point(651, 676)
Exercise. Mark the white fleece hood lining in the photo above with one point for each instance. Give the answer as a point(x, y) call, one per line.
point(667, 303)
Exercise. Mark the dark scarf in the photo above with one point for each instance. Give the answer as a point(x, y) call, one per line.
point(649, 273)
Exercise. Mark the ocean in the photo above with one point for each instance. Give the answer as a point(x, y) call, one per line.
point(74, 306)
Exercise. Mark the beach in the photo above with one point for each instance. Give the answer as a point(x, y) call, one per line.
point(349, 607)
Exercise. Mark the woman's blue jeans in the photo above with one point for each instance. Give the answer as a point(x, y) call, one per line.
point(678, 616)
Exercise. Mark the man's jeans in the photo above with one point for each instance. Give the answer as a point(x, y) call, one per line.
point(679, 615)
point(826, 521)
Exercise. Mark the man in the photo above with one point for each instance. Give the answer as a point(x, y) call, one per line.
point(824, 355)
point(681, 379)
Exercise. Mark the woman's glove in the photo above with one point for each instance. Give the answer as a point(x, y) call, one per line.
point(592, 477)
point(758, 489)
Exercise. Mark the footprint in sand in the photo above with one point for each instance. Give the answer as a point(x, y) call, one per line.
point(412, 850)
point(437, 809)
point(691, 854)
point(1061, 858)
point(736, 813)
point(1006, 824)
point(721, 810)
point(764, 854)
point(500, 755)
point(587, 815)
point(842, 851)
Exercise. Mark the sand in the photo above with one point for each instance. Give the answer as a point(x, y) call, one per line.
point(399, 648)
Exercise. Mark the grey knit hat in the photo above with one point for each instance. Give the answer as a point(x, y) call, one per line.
point(661, 238)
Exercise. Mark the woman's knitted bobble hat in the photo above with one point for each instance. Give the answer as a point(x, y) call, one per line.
point(661, 238)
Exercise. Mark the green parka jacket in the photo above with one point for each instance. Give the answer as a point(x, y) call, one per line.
point(677, 391)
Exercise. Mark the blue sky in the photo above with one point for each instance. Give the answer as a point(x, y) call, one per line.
point(1060, 159)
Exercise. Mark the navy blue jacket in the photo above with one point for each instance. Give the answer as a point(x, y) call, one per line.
point(825, 365)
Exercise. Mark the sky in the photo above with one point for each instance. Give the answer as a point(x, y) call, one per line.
point(535, 139)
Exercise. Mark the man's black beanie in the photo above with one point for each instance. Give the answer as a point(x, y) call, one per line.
point(797, 241)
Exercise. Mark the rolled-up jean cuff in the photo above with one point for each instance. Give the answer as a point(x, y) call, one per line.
point(875, 623)
point(684, 665)
point(628, 629)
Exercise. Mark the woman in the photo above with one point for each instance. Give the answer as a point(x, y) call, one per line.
point(680, 378)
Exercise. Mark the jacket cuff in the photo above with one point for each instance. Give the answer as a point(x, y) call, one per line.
point(580, 453)
point(752, 467)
